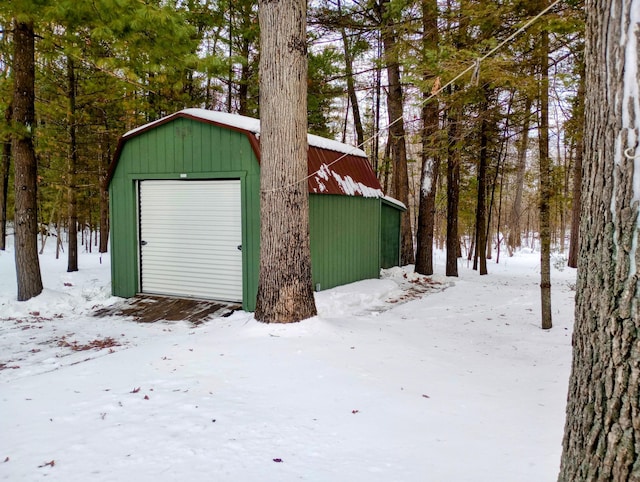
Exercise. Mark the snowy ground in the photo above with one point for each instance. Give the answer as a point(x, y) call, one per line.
point(397, 379)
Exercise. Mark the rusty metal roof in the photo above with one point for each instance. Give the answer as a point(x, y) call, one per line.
point(332, 172)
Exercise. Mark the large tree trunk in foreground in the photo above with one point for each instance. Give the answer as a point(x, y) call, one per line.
point(285, 287)
point(26, 222)
point(602, 431)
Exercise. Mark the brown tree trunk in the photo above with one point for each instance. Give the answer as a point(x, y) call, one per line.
point(351, 90)
point(105, 153)
point(397, 132)
point(514, 239)
point(453, 194)
point(481, 215)
point(104, 215)
point(26, 222)
point(430, 158)
point(545, 182)
point(72, 199)
point(602, 431)
point(285, 290)
point(577, 178)
point(5, 163)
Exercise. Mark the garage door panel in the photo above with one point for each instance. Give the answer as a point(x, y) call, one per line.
point(191, 232)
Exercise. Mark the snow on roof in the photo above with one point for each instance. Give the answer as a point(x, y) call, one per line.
point(392, 200)
point(333, 167)
point(250, 124)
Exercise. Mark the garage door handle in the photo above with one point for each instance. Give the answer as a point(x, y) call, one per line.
point(239, 247)
point(143, 243)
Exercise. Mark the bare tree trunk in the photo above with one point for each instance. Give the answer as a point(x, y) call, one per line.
point(453, 194)
point(430, 158)
point(26, 222)
point(72, 199)
point(351, 88)
point(577, 178)
point(545, 182)
point(481, 215)
point(514, 239)
point(375, 158)
point(602, 430)
point(5, 163)
point(243, 86)
point(397, 132)
point(285, 290)
point(501, 158)
point(105, 153)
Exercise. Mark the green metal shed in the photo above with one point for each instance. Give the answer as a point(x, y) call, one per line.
point(185, 213)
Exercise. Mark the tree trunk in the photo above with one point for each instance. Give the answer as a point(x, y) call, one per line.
point(397, 132)
point(577, 178)
point(453, 194)
point(243, 86)
point(105, 153)
point(481, 215)
point(72, 200)
point(602, 431)
point(430, 158)
point(26, 223)
point(514, 239)
point(351, 90)
point(285, 289)
point(545, 182)
point(5, 163)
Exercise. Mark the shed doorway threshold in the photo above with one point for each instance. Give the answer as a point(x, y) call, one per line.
point(151, 308)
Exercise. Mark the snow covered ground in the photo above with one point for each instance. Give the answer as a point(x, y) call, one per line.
point(397, 379)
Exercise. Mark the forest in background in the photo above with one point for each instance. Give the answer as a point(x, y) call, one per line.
point(497, 148)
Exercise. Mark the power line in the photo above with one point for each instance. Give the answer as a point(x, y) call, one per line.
point(473, 67)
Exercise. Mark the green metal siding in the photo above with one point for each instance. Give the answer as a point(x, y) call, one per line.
point(345, 239)
point(201, 151)
point(350, 235)
point(390, 234)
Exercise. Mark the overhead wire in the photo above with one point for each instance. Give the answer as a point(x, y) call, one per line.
point(475, 67)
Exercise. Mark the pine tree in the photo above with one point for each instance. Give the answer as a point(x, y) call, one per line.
point(26, 212)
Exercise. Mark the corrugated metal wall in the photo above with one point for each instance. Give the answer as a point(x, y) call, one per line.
point(169, 151)
point(345, 238)
point(346, 231)
point(390, 235)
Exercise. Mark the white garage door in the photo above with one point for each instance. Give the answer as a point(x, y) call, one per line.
point(190, 234)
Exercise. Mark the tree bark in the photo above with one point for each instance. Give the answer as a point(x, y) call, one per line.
point(285, 290)
point(430, 158)
point(602, 430)
point(514, 239)
point(26, 223)
point(453, 194)
point(545, 182)
point(5, 164)
point(351, 87)
point(481, 214)
point(72, 199)
point(397, 132)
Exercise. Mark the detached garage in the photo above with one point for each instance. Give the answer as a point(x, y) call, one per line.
point(185, 212)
